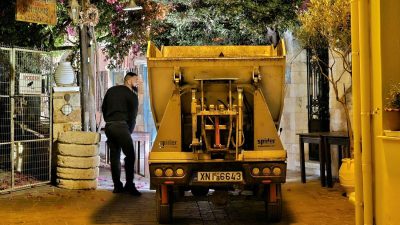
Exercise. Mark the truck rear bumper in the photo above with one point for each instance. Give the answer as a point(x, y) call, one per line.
point(191, 170)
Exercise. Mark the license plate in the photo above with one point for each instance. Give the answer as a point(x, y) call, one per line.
point(232, 176)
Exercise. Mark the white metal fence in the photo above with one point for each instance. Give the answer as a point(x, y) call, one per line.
point(25, 118)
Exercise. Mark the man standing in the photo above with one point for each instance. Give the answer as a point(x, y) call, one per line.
point(120, 106)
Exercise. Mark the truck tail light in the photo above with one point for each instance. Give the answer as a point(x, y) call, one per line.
point(169, 172)
point(266, 171)
point(158, 172)
point(255, 171)
point(179, 172)
point(277, 171)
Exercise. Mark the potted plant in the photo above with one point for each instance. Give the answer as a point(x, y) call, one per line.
point(393, 98)
point(392, 109)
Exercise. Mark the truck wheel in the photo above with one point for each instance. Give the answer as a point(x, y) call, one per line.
point(199, 191)
point(273, 202)
point(164, 211)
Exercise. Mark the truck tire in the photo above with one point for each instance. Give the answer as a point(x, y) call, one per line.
point(273, 210)
point(199, 191)
point(164, 212)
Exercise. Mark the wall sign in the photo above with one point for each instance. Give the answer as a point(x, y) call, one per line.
point(30, 83)
point(37, 11)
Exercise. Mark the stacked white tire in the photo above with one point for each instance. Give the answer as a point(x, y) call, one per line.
point(78, 160)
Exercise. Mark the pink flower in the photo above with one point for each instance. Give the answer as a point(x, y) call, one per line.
point(70, 30)
point(135, 49)
point(119, 8)
point(61, 1)
point(112, 1)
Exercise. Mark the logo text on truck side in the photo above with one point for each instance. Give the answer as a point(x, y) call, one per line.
point(266, 142)
point(167, 143)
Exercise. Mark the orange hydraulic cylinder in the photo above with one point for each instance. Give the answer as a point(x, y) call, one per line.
point(217, 136)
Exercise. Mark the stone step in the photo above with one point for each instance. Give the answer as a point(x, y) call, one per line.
point(78, 150)
point(78, 162)
point(79, 137)
point(77, 184)
point(77, 174)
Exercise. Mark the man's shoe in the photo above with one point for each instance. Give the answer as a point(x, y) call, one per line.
point(131, 189)
point(118, 189)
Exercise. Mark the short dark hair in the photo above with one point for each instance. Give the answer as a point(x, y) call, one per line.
point(129, 75)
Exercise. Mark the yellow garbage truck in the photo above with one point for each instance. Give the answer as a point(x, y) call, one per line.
point(217, 110)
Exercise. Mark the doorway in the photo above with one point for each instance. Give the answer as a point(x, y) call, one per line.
point(318, 96)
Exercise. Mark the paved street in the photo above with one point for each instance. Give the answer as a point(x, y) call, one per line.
point(303, 204)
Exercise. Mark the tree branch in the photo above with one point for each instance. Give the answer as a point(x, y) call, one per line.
point(346, 64)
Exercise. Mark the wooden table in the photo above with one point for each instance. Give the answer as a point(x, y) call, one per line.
point(324, 141)
point(341, 139)
point(312, 138)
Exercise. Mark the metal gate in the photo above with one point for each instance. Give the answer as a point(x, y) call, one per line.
point(25, 118)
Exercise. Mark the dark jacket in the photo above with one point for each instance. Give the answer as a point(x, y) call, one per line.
point(120, 104)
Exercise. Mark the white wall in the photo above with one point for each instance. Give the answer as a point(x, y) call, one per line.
point(295, 114)
point(294, 117)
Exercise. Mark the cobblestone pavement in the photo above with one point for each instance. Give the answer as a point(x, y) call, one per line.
point(303, 204)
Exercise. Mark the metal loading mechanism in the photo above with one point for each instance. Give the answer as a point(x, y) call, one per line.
point(220, 122)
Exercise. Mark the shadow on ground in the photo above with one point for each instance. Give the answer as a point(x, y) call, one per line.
point(123, 208)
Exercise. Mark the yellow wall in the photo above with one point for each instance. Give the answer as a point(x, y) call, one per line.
point(385, 56)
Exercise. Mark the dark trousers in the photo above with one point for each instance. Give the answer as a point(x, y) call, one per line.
point(119, 137)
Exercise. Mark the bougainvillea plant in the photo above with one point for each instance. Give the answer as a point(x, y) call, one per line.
point(167, 22)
